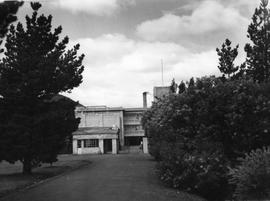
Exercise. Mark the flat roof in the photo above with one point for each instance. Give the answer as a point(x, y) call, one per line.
point(94, 109)
point(104, 108)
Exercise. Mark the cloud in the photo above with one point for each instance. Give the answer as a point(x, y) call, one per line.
point(118, 69)
point(94, 7)
point(246, 8)
point(208, 23)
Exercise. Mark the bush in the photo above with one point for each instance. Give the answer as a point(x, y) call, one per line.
point(235, 114)
point(204, 173)
point(210, 120)
point(252, 177)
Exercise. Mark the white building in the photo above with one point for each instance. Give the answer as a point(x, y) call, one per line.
point(108, 130)
point(98, 140)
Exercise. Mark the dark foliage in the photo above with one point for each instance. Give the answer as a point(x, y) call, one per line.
point(227, 55)
point(198, 134)
point(36, 67)
point(252, 177)
point(258, 59)
point(181, 87)
point(8, 9)
point(191, 83)
point(173, 87)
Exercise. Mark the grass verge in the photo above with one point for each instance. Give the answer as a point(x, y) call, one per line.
point(11, 178)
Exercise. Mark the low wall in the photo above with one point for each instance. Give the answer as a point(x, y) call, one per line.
point(89, 150)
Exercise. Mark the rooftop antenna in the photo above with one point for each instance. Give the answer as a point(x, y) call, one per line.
point(162, 72)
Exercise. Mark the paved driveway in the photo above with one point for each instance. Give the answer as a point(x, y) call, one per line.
point(125, 177)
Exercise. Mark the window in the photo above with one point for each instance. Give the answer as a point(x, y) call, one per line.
point(79, 143)
point(91, 143)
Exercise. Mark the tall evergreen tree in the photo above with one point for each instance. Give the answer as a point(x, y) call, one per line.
point(181, 87)
point(227, 55)
point(258, 58)
point(8, 9)
point(191, 83)
point(36, 67)
point(173, 87)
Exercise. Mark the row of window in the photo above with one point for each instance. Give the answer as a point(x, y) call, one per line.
point(87, 143)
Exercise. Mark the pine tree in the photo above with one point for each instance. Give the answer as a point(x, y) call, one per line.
point(173, 87)
point(199, 83)
point(8, 9)
point(258, 58)
point(36, 67)
point(181, 87)
point(191, 83)
point(227, 55)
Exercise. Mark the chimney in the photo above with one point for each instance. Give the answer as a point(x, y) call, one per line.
point(144, 99)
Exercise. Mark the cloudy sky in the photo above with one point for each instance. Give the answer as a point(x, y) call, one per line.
point(125, 40)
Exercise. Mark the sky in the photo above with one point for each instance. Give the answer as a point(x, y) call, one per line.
point(124, 42)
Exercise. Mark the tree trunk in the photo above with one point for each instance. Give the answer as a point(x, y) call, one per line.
point(27, 167)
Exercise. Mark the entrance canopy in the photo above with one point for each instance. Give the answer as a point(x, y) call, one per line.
point(96, 133)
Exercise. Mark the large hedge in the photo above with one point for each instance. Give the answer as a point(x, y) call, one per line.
point(198, 134)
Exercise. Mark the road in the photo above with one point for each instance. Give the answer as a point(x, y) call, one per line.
point(123, 177)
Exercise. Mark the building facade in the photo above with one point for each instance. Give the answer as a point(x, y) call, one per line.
point(110, 129)
point(160, 92)
point(107, 130)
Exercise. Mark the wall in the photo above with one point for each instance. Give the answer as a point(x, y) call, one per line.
point(95, 150)
point(91, 150)
point(128, 120)
point(105, 118)
point(99, 119)
point(87, 150)
point(159, 92)
point(97, 136)
point(132, 123)
point(132, 118)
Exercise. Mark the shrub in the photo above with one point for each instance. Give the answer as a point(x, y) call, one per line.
point(252, 177)
point(210, 120)
point(204, 173)
point(235, 114)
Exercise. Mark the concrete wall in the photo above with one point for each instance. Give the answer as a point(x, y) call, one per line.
point(122, 130)
point(128, 120)
point(97, 136)
point(94, 150)
point(105, 118)
point(145, 145)
point(132, 118)
point(132, 123)
point(134, 130)
point(159, 92)
point(87, 150)
point(90, 150)
point(114, 146)
point(99, 119)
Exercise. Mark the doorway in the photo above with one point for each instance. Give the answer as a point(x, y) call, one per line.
point(134, 144)
point(133, 141)
point(107, 146)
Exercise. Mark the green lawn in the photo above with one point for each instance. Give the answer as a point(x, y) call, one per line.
point(12, 179)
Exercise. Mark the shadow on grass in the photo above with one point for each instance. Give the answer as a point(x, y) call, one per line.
point(10, 183)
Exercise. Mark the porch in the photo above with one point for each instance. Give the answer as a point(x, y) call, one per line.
point(98, 140)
